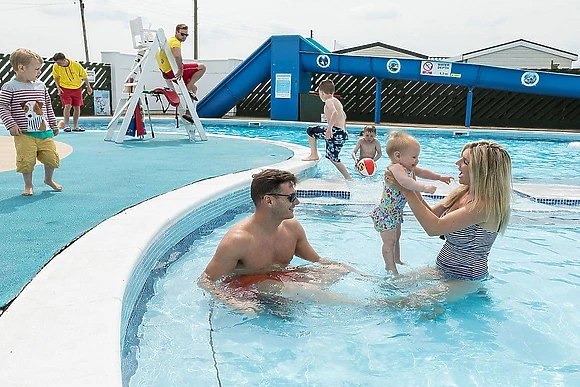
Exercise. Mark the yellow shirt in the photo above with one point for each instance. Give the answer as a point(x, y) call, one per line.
point(71, 76)
point(162, 60)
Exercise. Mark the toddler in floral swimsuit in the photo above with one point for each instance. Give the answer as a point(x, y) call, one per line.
point(403, 150)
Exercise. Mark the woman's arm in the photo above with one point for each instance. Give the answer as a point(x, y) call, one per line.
point(430, 220)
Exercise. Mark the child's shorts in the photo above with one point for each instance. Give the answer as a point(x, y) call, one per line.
point(29, 148)
point(334, 144)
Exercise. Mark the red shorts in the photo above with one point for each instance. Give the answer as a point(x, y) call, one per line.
point(248, 280)
point(72, 97)
point(188, 70)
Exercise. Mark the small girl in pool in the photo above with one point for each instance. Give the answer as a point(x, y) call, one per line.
point(403, 150)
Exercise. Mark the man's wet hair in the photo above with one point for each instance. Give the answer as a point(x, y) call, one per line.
point(269, 181)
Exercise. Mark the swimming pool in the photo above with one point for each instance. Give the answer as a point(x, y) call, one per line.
point(541, 157)
point(522, 331)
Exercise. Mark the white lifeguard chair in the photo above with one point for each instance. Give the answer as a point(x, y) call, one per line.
point(148, 41)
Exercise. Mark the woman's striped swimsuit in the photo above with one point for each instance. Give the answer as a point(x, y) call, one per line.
point(464, 254)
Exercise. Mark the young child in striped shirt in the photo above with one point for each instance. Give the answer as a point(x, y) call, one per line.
point(26, 111)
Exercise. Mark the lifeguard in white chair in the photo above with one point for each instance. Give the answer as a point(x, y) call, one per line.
point(190, 72)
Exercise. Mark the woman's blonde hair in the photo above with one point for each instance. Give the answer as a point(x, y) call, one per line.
point(490, 181)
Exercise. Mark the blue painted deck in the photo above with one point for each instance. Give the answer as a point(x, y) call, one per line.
point(100, 179)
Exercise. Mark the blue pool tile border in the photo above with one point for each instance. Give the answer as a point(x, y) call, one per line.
point(550, 201)
point(311, 193)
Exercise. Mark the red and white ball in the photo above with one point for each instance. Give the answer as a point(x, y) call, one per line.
point(366, 167)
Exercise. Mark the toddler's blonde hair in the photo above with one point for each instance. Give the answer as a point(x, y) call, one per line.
point(24, 57)
point(399, 141)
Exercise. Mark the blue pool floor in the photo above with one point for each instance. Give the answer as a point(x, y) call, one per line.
point(100, 179)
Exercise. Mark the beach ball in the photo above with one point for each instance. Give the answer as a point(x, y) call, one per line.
point(366, 167)
point(60, 124)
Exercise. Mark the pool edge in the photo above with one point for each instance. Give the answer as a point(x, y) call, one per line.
point(65, 327)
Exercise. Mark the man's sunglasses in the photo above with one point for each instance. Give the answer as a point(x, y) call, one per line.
point(182, 34)
point(291, 197)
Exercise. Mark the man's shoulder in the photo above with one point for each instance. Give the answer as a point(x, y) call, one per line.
point(292, 225)
point(238, 233)
point(173, 42)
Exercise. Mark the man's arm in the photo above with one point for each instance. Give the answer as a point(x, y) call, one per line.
point(303, 247)
point(305, 250)
point(85, 79)
point(176, 51)
point(224, 261)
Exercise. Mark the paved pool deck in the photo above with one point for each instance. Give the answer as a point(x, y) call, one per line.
point(65, 328)
point(100, 179)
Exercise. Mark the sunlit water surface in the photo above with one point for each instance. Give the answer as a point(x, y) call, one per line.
point(522, 329)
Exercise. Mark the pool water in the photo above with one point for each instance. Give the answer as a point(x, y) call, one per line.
point(543, 158)
point(522, 330)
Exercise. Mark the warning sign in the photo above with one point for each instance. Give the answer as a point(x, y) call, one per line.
point(436, 69)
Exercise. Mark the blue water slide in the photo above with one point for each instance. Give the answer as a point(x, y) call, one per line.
point(463, 74)
point(238, 84)
point(317, 45)
point(251, 72)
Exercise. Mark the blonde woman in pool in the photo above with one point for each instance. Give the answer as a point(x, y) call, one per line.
point(470, 219)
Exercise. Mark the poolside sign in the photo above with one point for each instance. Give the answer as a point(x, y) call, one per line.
point(102, 102)
point(91, 76)
point(436, 69)
point(283, 86)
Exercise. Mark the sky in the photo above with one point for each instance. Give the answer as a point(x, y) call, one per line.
point(234, 29)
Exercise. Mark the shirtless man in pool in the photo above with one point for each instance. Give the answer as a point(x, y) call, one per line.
point(255, 253)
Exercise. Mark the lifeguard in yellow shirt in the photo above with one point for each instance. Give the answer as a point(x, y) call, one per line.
point(190, 72)
point(69, 77)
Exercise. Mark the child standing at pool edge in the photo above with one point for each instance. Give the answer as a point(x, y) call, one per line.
point(26, 110)
point(334, 134)
point(403, 150)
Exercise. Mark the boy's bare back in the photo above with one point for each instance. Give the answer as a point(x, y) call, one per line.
point(333, 105)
